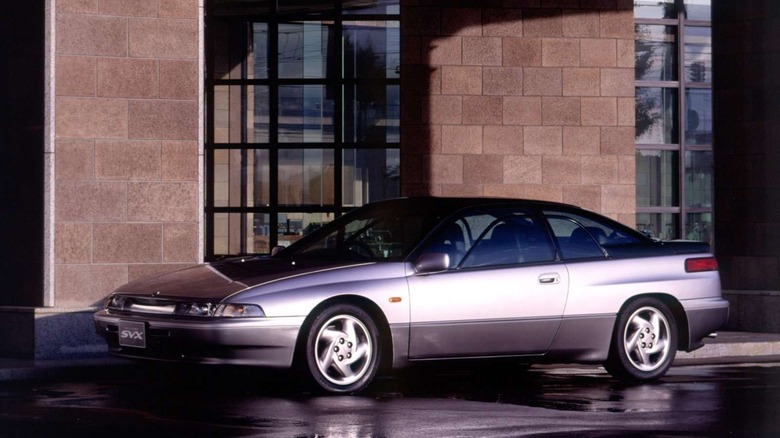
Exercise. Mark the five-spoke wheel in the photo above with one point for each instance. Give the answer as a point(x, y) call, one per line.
point(342, 349)
point(645, 341)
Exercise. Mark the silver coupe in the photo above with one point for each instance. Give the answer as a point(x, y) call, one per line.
point(425, 279)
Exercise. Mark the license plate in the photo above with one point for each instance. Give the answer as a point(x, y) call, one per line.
point(132, 334)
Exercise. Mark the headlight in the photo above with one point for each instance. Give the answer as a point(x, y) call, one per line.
point(239, 310)
point(115, 302)
point(194, 309)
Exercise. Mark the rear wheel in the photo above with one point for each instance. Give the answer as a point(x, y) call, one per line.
point(644, 343)
point(342, 349)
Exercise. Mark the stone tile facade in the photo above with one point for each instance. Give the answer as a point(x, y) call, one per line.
point(517, 98)
point(126, 143)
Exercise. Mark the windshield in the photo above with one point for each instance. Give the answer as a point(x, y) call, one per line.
point(386, 231)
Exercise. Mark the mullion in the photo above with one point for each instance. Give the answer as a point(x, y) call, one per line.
point(273, 135)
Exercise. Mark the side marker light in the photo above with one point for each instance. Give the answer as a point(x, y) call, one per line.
point(701, 264)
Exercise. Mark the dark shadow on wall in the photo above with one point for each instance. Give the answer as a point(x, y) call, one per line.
point(426, 26)
point(22, 80)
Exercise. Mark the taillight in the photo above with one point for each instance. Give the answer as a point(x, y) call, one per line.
point(701, 264)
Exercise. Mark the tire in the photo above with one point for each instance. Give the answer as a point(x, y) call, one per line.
point(342, 349)
point(644, 342)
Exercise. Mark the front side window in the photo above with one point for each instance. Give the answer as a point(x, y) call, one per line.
point(498, 238)
point(302, 120)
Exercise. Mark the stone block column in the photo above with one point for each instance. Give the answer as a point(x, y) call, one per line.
point(126, 114)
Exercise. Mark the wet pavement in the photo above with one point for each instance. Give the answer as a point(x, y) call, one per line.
point(484, 401)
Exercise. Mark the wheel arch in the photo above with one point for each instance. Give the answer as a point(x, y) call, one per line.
point(678, 313)
point(368, 306)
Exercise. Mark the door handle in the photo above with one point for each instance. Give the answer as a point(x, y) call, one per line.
point(549, 279)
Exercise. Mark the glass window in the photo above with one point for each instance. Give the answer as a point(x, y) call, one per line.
point(656, 178)
point(655, 9)
point(293, 226)
point(656, 115)
point(306, 176)
point(303, 49)
point(241, 177)
point(305, 114)
point(241, 114)
point(371, 49)
point(698, 9)
point(369, 175)
point(663, 226)
point(656, 53)
point(698, 179)
point(698, 116)
point(303, 120)
point(698, 54)
point(372, 113)
point(699, 227)
point(241, 233)
point(674, 123)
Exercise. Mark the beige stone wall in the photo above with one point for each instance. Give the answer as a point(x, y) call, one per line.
point(522, 98)
point(126, 115)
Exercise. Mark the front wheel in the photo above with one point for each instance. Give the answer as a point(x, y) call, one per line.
point(644, 343)
point(342, 349)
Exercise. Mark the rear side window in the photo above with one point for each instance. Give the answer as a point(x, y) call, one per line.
point(575, 241)
point(583, 236)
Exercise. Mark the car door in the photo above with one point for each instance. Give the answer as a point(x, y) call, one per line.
point(503, 293)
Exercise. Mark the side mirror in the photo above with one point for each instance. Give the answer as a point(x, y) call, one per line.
point(432, 262)
point(275, 250)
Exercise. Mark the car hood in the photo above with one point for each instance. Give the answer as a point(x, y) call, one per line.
point(220, 279)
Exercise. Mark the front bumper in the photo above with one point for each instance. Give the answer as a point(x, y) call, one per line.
point(268, 342)
point(704, 316)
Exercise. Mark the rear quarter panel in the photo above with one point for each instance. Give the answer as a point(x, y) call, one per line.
point(602, 287)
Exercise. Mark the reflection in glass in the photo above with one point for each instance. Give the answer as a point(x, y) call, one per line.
point(370, 175)
point(656, 53)
point(698, 116)
point(371, 49)
point(662, 226)
point(655, 9)
point(698, 227)
point(698, 10)
point(241, 178)
point(656, 115)
point(305, 114)
point(241, 233)
point(355, 7)
point(293, 226)
point(306, 177)
point(259, 55)
point(698, 179)
point(698, 54)
point(303, 49)
point(230, 102)
point(372, 113)
point(657, 178)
